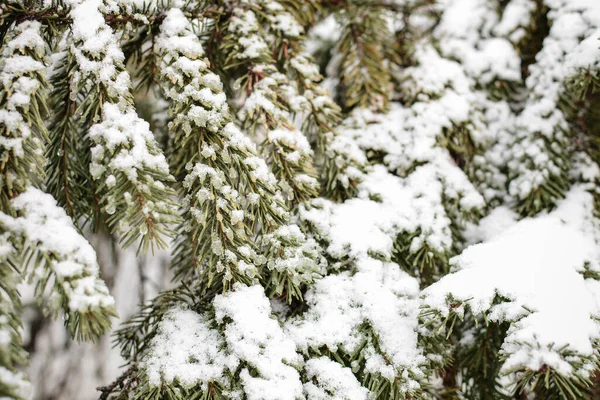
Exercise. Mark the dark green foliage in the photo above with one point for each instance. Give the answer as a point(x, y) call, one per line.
point(546, 383)
point(479, 361)
point(364, 71)
point(68, 180)
point(425, 263)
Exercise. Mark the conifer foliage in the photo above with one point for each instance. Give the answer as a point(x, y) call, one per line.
point(391, 200)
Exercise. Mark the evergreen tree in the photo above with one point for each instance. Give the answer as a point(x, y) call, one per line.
point(389, 200)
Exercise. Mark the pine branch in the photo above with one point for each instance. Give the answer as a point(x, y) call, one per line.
point(121, 381)
point(22, 87)
point(341, 169)
point(293, 263)
point(12, 356)
point(62, 264)
point(68, 176)
point(226, 196)
point(130, 172)
point(271, 99)
point(364, 72)
point(542, 149)
point(22, 101)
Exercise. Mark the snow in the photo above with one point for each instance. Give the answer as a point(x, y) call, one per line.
point(71, 259)
point(259, 171)
point(293, 253)
point(193, 348)
point(291, 138)
point(187, 350)
point(348, 158)
point(124, 148)
point(121, 146)
point(497, 221)
point(432, 76)
point(570, 47)
point(204, 91)
point(216, 201)
point(409, 136)
point(362, 225)
point(261, 106)
point(174, 36)
point(244, 24)
point(378, 293)
point(19, 78)
point(11, 329)
point(524, 265)
point(515, 18)
point(18, 383)
point(333, 382)
point(263, 112)
point(257, 340)
point(286, 24)
point(28, 37)
point(415, 189)
point(96, 49)
point(279, 20)
point(272, 98)
point(466, 34)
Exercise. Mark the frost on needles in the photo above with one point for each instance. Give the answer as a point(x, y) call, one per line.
point(385, 200)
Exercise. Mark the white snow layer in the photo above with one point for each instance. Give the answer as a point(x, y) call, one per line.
point(49, 230)
point(194, 350)
point(379, 294)
point(19, 384)
point(328, 380)
point(258, 341)
point(18, 79)
point(536, 266)
point(187, 349)
point(124, 145)
point(570, 47)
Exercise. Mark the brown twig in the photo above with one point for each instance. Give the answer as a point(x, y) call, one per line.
point(120, 382)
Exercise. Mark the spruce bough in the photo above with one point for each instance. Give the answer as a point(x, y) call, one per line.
point(362, 199)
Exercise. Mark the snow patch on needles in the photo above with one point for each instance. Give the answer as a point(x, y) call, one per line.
point(465, 34)
point(17, 383)
point(18, 81)
point(342, 307)
point(515, 18)
point(288, 250)
point(50, 231)
point(388, 205)
point(257, 340)
point(328, 380)
point(96, 48)
point(187, 350)
point(126, 158)
point(563, 55)
point(121, 145)
point(239, 339)
point(523, 265)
